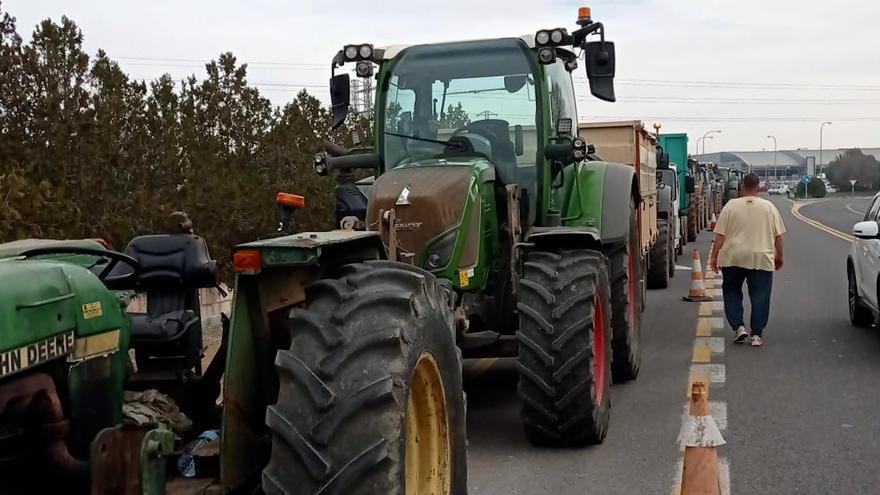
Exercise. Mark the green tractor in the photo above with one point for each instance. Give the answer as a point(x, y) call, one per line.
point(488, 230)
point(66, 352)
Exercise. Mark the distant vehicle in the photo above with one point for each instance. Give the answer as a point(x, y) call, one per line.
point(830, 188)
point(778, 189)
point(863, 268)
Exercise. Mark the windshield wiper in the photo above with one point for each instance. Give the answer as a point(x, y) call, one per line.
point(435, 141)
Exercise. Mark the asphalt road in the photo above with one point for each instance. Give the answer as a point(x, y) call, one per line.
point(799, 415)
point(837, 213)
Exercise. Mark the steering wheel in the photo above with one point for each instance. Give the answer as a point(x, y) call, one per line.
point(480, 127)
point(104, 276)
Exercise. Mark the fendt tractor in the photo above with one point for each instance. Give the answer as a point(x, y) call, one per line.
point(488, 230)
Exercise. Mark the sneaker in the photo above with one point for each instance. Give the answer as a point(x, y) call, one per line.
point(741, 335)
point(757, 341)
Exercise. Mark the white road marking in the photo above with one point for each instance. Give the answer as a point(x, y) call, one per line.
point(717, 373)
point(684, 268)
point(724, 475)
point(715, 292)
point(850, 208)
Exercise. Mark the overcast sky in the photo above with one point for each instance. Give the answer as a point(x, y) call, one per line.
point(748, 68)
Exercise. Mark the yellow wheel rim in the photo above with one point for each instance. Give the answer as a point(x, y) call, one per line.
point(427, 432)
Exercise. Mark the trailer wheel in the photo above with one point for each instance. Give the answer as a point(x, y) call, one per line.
point(565, 347)
point(625, 269)
point(370, 399)
point(658, 274)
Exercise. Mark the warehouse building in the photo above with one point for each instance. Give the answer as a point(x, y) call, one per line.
point(782, 163)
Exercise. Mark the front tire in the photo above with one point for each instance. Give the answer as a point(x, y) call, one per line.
point(370, 396)
point(658, 274)
point(859, 314)
point(565, 347)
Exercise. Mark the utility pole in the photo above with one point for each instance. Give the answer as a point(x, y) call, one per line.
point(774, 156)
point(821, 128)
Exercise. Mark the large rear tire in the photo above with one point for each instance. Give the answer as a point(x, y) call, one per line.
point(625, 270)
point(565, 347)
point(658, 274)
point(370, 399)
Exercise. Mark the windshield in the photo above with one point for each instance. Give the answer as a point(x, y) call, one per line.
point(482, 91)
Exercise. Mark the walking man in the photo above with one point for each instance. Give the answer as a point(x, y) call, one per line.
point(748, 248)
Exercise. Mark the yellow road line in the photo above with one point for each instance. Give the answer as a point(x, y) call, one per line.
point(795, 210)
point(704, 327)
point(702, 351)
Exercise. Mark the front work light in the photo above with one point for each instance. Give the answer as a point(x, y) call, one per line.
point(556, 36)
point(351, 52)
point(366, 51)
point(546, 55)
point(542, 37)
point(364, 68)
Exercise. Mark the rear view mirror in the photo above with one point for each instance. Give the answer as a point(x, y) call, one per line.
point(340, 94)
point(662, 161)
point(600, 69)
point(866, 230)
point(689, 185)
point(514, 83)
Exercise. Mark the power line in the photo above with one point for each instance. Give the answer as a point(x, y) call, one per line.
point(284, 64)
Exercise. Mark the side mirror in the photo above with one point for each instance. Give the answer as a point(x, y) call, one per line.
point(689, 184)
point(866, 230)
point(600, 69)
point(663, 161)
point(518, 146)
point(340, 97)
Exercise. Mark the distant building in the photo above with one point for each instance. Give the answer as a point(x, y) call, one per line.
point(788, 163)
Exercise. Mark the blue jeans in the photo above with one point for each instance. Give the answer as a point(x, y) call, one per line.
point(760, 283)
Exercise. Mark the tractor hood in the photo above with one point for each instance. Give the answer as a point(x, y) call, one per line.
point(46, 306)
point(429, 198)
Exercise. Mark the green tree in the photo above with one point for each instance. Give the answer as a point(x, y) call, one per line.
point(816, 188)
point(854, 164)
point(455, 117)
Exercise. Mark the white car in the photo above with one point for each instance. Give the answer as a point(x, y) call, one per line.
point(778, 189)
point(863, 268)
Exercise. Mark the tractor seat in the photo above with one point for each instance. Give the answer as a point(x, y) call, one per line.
point(167, 326)
point(173, 269)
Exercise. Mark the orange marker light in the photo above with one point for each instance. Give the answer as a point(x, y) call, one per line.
point(584, 14)
point(247, 262)
point(292, 200)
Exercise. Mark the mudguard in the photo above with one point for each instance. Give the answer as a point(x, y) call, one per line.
point(595, 208)
point(619, 185)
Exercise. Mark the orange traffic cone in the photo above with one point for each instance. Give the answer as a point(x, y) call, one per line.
point(697, 292)
point(700, 438)
point(713, 222)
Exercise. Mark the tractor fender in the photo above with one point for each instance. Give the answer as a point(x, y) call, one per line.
point(565, 237)
point(318, 249)
point(665, 206)
point(620, 184)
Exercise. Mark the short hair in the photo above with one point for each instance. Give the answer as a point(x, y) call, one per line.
point(751, 181)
